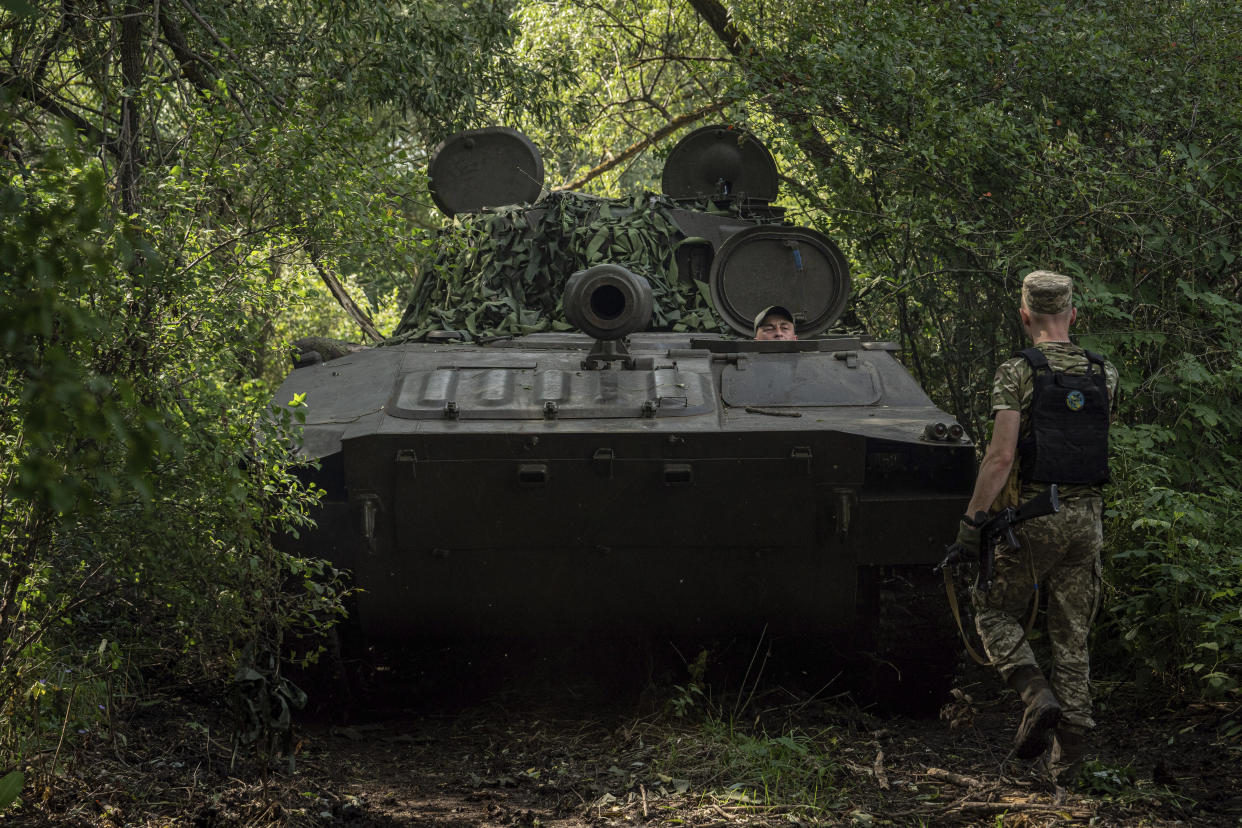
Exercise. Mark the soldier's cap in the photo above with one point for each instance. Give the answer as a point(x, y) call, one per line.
point(769, 311)
point(1046, 292)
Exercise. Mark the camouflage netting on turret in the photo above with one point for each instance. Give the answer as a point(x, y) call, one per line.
point(503, 272)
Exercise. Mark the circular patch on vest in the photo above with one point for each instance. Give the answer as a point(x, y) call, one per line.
point(1074, 401)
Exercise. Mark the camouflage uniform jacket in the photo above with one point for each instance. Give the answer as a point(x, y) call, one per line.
point(1012, 389)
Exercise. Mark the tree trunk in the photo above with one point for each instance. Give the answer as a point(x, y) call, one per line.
point(131, 77)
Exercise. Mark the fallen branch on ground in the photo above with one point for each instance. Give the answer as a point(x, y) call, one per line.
point(989, 808)
point(941, 775)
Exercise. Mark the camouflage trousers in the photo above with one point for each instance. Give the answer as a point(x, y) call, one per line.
point(1062, 551)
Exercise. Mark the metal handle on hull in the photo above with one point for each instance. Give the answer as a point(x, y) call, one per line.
point(369, 505)
point(843, 507)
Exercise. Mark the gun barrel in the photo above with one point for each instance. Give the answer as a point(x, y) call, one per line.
point(607, 301)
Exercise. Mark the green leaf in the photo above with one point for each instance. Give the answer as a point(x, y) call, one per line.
point(10, 788)
point(20, 8)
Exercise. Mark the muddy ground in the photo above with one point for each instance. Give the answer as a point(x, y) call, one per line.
point(529, 748)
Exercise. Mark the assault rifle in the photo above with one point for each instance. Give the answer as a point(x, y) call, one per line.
point(1001, 527)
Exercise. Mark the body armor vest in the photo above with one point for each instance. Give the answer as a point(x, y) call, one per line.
point(1068, 442)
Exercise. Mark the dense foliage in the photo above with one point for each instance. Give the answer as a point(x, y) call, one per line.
point(175, 177)
point(171, 174)
point(954, 147)
point(141, 473)
point(642, 71)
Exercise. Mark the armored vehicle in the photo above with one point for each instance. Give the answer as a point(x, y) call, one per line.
point(635, 461)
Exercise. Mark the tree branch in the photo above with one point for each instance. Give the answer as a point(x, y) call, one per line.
point(634, 149)
point(186, 58)
point(207, 27)
point(40, 97)
point(342, 296)
point(808, 138)
point(218, 247)
point(717, 16)
point(132, 72)
point(51, 44)
point(636, 62)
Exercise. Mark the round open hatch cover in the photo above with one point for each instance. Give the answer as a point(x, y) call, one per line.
point(480, 168)
point(716, 161)
point(795, 267)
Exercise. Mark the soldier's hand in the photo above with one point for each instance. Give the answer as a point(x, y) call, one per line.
point(968, 534)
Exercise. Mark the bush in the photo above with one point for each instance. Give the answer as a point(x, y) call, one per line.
point(142, 475)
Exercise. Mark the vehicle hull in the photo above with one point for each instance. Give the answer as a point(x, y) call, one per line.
point(739, 500)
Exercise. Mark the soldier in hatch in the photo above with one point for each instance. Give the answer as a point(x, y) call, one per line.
point(1051, 406)
point(774, 322)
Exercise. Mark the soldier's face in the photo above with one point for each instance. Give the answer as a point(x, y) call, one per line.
point(775, 326)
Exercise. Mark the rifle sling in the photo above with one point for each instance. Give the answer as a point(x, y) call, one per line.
point(951, 591)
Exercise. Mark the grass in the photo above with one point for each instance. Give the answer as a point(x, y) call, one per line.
point(770, 768)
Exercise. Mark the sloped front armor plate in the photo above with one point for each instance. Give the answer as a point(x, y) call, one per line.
point(525, 393)
point(788, 379)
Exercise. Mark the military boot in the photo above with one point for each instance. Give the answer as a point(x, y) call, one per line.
point(1042, 713)
point(1068, 745)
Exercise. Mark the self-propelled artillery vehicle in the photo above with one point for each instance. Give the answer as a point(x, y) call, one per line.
point(572, 429)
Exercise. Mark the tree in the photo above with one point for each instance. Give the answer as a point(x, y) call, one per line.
point(636, 73)
point(955, 146)
point(169, 169)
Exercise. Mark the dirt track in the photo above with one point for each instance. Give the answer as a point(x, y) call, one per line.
point(565, 754)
